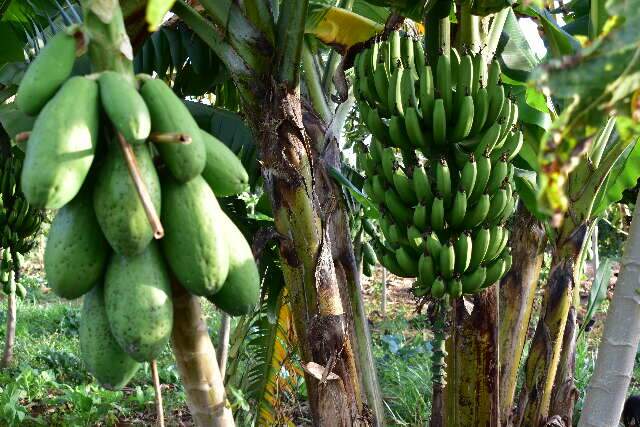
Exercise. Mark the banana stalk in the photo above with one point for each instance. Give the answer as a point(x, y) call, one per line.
point(472, 362)
point(517, 291)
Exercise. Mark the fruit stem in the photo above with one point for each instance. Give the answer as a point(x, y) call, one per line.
point(170, 138)
point(141, 188)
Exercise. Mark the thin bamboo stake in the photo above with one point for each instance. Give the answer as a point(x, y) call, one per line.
point(141, 188)
point(158, 392)
point(223, 343)
point(383, 305)
point(10, 338)
point(170, 138)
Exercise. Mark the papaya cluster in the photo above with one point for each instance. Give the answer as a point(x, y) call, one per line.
point(439, 163)
point(19, 221)
point(90, 136)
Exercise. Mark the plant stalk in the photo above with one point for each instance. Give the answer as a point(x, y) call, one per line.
point(223, 342)
point(10, 339)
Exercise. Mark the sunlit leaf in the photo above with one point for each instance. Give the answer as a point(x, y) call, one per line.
point(156, 10)
point(339, 27)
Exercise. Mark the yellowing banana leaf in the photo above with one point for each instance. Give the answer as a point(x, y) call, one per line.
point(339, 27)
point(156, 10)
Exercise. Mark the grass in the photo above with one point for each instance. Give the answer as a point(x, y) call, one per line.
point(48, 385)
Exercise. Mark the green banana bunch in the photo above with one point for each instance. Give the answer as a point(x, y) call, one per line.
point(439, 164)
point(19, 221)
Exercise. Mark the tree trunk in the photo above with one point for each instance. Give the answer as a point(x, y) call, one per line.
point(564, 394)
point(10, 339)
point(517, 292)
point(472, 363)
point(544, 355)
point(616, 356)
point(196, 362)
point(322, 322)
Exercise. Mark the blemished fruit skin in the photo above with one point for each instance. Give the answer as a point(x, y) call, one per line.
point(223, 171)
point(169, 115)
point(124, 106)
point(241, 291)
point(46, 73)
point(62, 145)
point(101, 354)
point(137, 294)
point(76, 252)
point(117, 205)
point(194, 242)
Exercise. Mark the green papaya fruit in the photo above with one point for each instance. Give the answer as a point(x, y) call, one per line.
point(76, 253)
point(223, 171)
point(62, 145)
point(124, 106)
point(194, 241)
point(241, 291)
point(169, 115)
point(118, 208)
point(103, 358)
point(137, 294)
point(46, 73)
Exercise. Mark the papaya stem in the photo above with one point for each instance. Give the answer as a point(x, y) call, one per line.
point(158, 392)
point(141, 188)
point(170, 138)
point(22, 137)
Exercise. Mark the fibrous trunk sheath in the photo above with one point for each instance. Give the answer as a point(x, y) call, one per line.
point(517, 291)
point(472, 362)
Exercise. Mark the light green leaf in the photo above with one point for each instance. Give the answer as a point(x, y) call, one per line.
point(598, 291)
point(156, 11)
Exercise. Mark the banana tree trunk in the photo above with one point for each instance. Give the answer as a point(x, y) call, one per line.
point(10, 339)
point(541, 366)
point(607, 389)
point(196, 362)
point(321, 321)
point(472, 390)
point(517, 292)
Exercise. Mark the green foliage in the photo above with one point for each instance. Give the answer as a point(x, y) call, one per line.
point(156, 10)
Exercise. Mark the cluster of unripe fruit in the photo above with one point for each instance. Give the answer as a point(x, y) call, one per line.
point(439, 163)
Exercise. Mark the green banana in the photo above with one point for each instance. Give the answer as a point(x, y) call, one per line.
point(464, 123)
point(377, 127)
point(408, 89)
point(483, 167)
point(421, 185)
point(458, 209)
point(513, 144)
point(389, 262)
point(477, 213)
point(418, 53)
point(415, 237)
point(395, 91)
point(481, 110)
point(426, 270)
point(443, 82)
point(495, 241)
point(454, 60)
point(395, 49)
point(447, 260)
point(499, 172)
point(496, 102)
point(381, 84)
point(398, 133)
point(463, 247)
point(473, 281)
point(406, 262)
point(397, 209)
point(388, 163)
point(420, 216)
point(495, 271)
point(455, 288)
point(439, 122)
point(433, 245)
point(489, 140)
point(368, 254)
point(507, 261)
point(479, 247)
point(437, 214)
point(412, 123)
point(468, 174)
point(443, 180)
point(438, 288)
point(427, 95)
point(404, 187)
point(479, 73)
point(498, 204)
point(465, 79)
point(493, 79)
